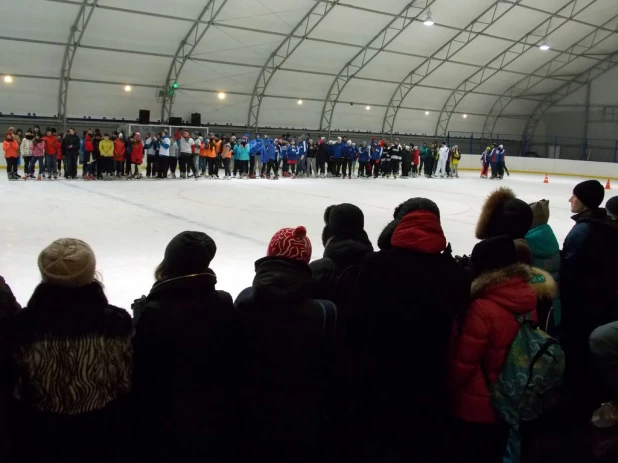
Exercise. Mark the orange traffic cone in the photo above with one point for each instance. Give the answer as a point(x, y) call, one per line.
point(608, 185)
point(546, 179)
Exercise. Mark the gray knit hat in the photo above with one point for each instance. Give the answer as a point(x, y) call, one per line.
point(67, 262)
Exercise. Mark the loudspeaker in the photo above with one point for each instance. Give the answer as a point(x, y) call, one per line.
point(196, 119)
point(175, 121)
point(144, 116)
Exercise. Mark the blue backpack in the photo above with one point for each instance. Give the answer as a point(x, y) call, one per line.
point(531, 376)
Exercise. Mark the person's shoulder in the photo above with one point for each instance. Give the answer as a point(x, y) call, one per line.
point(118, 320)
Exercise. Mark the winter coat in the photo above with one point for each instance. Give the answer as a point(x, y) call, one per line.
point(481, 341)
point(269, 153)
point(106, 148)
point(8, 303)
point(80, 396)
point(456, 157)
point(416, 157)
point(546, 256)
point(88, 144)
point(588, 285)
point(241, 153)
point(38, 149)
point(119, 150)
point(164, 146)
point(292, 155)
point(26, 147)
point(189, 364)
point(337, 150)
point(406, 156)
point(284, 149)
point(137, 152)
point(376, 154)
point(425, 152)
point(336, 274)
point(174, 150)
point(289, 415)
point(322, 151)
point(312, 150)
point(52, 146)
point(72, 141)
point(408, 317)
point(208, 151)
point(365, 154)
point(10, 148)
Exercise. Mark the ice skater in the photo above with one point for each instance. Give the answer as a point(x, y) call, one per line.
point(137, 156)
point(456, 159)
point(485, 162)
point(442, 160)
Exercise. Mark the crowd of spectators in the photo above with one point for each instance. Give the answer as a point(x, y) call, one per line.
point(377, 352)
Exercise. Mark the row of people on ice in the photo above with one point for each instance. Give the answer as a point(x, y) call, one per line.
point(360, 356)
point(118, 156)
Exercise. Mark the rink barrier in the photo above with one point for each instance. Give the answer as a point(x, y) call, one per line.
point(542, 166)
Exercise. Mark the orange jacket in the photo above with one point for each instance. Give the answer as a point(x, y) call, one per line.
point(227, 151)
point(52, 146)
point(10, 148)
point(208, 151)
point(119, 149)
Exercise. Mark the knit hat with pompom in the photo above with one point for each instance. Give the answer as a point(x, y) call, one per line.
point(292, 243)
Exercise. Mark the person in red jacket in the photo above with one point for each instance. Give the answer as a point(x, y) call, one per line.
point(416, 159)
point(52, 148)
point(88, 149)
point(137, 154)
point(480, 343)
point(119, 152)
point(11, 148)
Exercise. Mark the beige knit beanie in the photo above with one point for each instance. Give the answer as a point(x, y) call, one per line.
point(67, 262)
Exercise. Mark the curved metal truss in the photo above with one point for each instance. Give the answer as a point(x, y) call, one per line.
point(548, 70)
point(75, 36)
point(288, 46)
point(469, 85)
point(365, 55)
point(197, 31)
point(600, 68)
point(475, 28)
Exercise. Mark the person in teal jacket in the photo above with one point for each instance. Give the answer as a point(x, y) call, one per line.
point(241, 156)
point(545, 248)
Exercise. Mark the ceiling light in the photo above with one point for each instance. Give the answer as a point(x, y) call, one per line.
point(300, 102)
point(367, 108)
point(544, 46)
point(426, 113)
point(8, 79)
point(127, 88)
point(465, 116)
point(429, 20)
point(221, 95)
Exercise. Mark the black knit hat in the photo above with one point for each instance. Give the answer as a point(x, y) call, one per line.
point(189, 252)
point(612, 207)
point(342, 222)
point(590, 193)
point(504, 214)
point(492, 254)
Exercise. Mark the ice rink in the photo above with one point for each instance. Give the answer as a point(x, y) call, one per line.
point(129, 223)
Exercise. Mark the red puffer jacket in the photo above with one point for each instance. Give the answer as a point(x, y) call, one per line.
point(480, 346)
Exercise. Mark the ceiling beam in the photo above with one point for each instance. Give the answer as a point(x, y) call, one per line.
point(76, 33)
point(365, 56)
point(277, 58)
point(187, 45)
point(550, 68)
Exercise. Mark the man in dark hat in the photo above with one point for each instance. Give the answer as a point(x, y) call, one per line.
point(589, 286)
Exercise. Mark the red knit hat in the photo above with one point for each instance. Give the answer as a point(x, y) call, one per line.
point(292, 243)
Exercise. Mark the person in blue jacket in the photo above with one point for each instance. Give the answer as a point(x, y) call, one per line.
point(255, 152)
point(376, 159)
point(269, 158)
point(337, 153)
point(363, 160)
point(347, 153)
point(330, 163)
point(293, 157)
point(302, 156)
point(267, 146)
point(500, 161)
point(284, 149)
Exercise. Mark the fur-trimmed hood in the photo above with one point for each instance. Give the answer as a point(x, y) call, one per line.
point(543, 284)
point(507, 287)
point(504, 214)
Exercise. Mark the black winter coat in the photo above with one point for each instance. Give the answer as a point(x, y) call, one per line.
point(336, 275)
point(411, 297)
point(189, 356)
point(588, 289)
point(8, 303)
point(69, 359)
point(293, 355)
point(73, 141)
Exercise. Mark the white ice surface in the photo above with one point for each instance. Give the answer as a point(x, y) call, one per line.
point(129, 223)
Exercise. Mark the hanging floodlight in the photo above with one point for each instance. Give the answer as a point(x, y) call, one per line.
point(545, 46)
point(8, 79)
point(465, 116)
point(300, 102)
point(367, 107)
point(127, 88)
point(429, 20)
point(426, 113)
point(221, 95)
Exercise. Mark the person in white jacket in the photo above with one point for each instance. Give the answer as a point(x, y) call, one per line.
point(26, 152)
point(442, 159)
